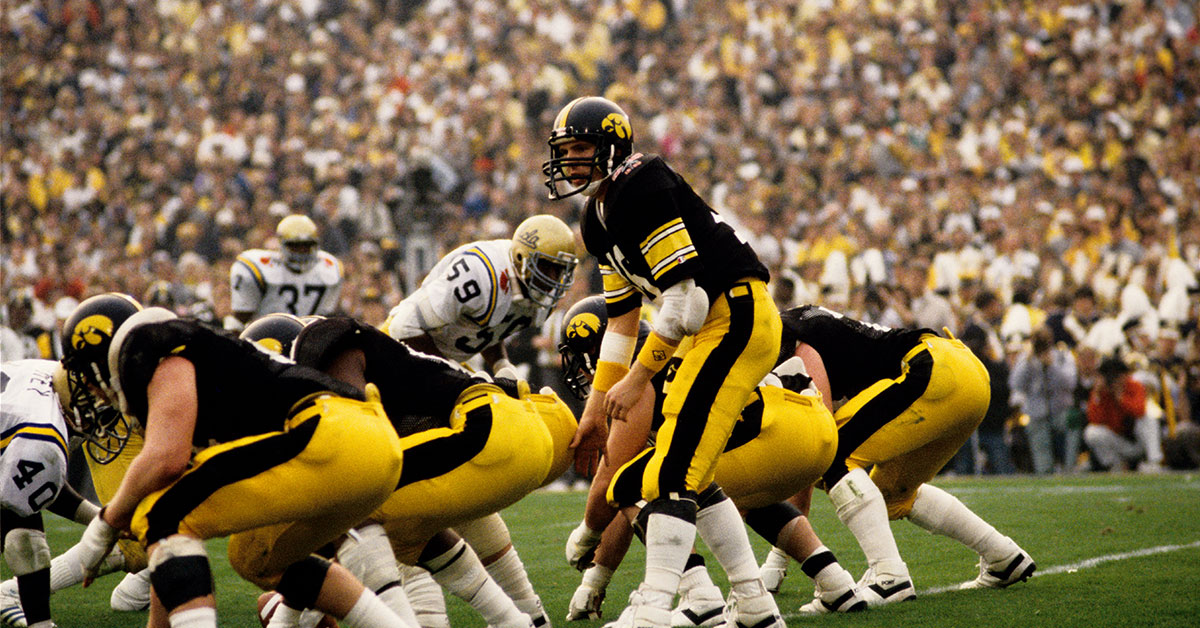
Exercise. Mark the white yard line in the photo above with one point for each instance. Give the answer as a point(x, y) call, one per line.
point(1086, 564)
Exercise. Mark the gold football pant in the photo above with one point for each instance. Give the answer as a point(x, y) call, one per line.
point(496, 450)
point(909, 427)
point(781, 444)
point(106, 479)
point(288, 492)
point(728, 357)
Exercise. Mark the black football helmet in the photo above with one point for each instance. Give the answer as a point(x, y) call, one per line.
point(274, 332)
point(85, 378)
point(592, 119)
point(579, 343)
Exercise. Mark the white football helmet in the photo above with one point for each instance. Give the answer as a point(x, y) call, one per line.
point(543, 254)
point(298, 239)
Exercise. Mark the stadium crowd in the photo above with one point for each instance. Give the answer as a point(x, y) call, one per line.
point(990, 168)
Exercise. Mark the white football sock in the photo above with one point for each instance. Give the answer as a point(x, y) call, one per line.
point(203, 617)
point(459, 571)
point(425, 597)
point(668, 543)
point(370, 612)
point(724, 532)
point(284, 616)
point(942, 513)
point(861, 507)
point(509, 572)
point(367, 554)
point(776, 559)
point(597, 577)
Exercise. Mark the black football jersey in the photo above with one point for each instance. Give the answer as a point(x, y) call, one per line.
point(654, 231)
point(417, 390)
point(856, 354)
point(242, 389)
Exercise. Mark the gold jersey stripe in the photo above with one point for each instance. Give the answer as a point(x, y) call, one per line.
point(258, 276)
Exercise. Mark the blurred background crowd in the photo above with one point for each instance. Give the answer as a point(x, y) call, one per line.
point(1023, 174)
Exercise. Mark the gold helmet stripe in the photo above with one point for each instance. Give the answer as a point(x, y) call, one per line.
point(561, 120)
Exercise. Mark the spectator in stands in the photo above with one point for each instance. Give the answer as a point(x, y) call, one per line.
point(1043, 385)
point(1119, 433)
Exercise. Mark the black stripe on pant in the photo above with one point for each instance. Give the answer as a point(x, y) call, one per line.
point(701, 395)
point(443, 455)
point(223, 469)
point(879, 411)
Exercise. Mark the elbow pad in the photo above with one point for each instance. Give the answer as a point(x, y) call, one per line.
point(683, 312)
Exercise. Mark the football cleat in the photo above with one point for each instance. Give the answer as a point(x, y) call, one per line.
point(132, 593)
point(844, 600)
point(774, 570)
point(585, 604)
point(639, 614)
point(886, 588)
point(758, 611)
point(11, 613)
point(1013, 569)
point(700, 606)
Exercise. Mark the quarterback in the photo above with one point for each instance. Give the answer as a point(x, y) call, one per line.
point(298, 279)
point(782, 442)
point(656, 239)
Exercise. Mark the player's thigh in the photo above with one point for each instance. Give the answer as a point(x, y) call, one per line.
point(795, 445)
point(336, 464)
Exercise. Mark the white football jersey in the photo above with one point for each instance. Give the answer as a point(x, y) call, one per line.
point(33, 436)
point(469, 301)
point(259, 282)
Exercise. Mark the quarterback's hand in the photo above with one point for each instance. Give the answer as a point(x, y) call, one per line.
point(581, 546)
point(590, 439)
point(95, 545)
point(625, 394)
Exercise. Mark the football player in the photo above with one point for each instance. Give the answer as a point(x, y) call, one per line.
point(474, 445)
point(470, 302)
point(298, 279)
point(785, 416)
point(910, 399)
point(483, 292)
point(280, 434)
point(656, 239)
point(38, 420)
point(34, 411)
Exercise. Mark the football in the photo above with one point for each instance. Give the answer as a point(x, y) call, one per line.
point(269, 601)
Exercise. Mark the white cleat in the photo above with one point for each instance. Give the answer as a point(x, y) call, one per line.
point(1011, 570)
point(132, 593)
point(11, 613)
point(585, 604)
point(883, 588)
point(844, 600)
point(639, 614)
point(701, 606)
point(758, 611)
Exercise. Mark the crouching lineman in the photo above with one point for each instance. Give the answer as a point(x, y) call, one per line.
point(912, 398)
point(784, 439)
point(475, 298)
point(474, 445)
point(281, 434)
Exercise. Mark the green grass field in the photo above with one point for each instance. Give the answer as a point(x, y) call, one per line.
point(1112, 550)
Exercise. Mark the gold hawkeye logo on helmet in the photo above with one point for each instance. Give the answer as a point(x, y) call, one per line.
point(92, 330)
point(583, 325)
point(616, 124)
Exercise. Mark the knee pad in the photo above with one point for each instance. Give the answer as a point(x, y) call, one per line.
point(486, 535)
point(458, 570)
point(26, 551)
point(301, 582)
point(769, 521)
point(368, 555)
point(179, 571)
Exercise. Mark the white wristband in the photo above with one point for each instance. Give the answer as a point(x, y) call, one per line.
point(617, 348)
